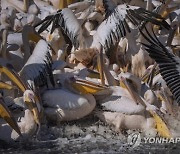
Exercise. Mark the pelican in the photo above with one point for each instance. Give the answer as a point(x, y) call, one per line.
point(27, 126)
point(154, 79)
point(74, 33)
point(73, 90)
point(63, 105)
point(124, 100)
point(168, 63)
point(109, 32)
point(5, 17)
point(157, 83)
point(129, 122)
point(34, 73)
point(128, 111)
point(115, 24)
point(73, 100)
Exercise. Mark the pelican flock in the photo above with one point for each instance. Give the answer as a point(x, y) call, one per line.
point(63, 60)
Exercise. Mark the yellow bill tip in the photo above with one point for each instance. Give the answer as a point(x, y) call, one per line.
point(161, 126)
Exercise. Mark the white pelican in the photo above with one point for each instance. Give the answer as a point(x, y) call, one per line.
point(154, 79)
point(116, 25)
point(13, 76)
point(110, 30)
point(168, 63)
point(34, 73)
point(119, 99)
point(157, 83)
point(72, 101)
point(63, 105)
point(128, 122)
point(125, 99)
point(21, 6)
point(116, 104)
point(27, 126)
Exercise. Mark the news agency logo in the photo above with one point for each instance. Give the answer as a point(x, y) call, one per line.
point(135, 140)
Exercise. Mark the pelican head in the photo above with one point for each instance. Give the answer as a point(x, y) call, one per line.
point(29, 99)
point(129, 79)
point(132, 84)
point(29, 96)
point(149, 74)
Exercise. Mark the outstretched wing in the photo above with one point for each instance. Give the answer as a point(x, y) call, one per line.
point(37, 69)
point(116, 26)
point(134, 14)
point(67, 21)
point(169, 64)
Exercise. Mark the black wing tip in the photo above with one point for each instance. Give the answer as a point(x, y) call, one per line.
point(161, 61)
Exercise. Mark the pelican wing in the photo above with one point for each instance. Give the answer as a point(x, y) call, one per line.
point(134, 14)
point(169, 64)
point(38, 67)
point(116, 26)
point(67, 21)
point(71, 26)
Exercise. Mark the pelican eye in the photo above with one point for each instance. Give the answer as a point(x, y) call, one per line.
point(158, 85)
point(129, 81)
point(132, 84)
point(30, 95)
